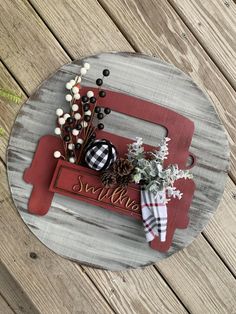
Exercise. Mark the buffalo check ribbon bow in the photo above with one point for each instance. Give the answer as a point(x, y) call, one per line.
point(154, 214)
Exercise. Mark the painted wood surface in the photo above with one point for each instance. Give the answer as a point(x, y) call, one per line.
point(119, 289)
point(96, 237)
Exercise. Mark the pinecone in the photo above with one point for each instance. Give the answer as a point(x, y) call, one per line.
point(123, 181)
point(122, 167)
point(108, 179)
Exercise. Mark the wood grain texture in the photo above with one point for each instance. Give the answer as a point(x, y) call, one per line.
point(94, 32)
point(201, 276)
point(214, 25)
point(221, 230)
point(119, 287)
point(196, 275)
point(13, 293)
point(20, 300)
point(154, 28)
point(4, 307)
point(20, 27)
point(116, 235)
point(52, 284)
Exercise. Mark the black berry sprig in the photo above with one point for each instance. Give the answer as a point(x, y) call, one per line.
point(102, 94)
point(96, 114)
point(78, 127)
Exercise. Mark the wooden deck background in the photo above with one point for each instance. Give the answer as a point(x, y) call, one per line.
point(199, 37)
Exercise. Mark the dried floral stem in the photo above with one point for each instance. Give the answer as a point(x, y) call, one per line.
point(91, 131)
point(64, 146)
point(85, 143)
point(91, 120)
point(73, 97)
point(95, 105)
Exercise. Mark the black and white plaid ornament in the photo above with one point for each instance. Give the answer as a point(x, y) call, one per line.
point(100, 154)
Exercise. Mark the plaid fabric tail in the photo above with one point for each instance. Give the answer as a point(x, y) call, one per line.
point(154, 213)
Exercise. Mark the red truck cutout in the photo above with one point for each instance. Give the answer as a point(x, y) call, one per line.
point(49, 176)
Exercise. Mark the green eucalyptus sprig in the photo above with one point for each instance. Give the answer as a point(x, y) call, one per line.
point(10, 96)
point(150, 172)
point(1, 131)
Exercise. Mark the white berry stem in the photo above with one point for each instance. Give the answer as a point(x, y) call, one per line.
point(72, 94)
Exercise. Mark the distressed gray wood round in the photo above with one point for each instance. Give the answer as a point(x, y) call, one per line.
point(101, 238)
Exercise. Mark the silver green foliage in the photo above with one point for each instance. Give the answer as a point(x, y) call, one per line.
point(150, 172)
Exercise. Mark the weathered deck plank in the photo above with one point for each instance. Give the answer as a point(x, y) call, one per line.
point(221, 231)
point(53, 284)
point(200, 279)
point(21, 27)
point(214, 25)
point(8, 111)
point(89, 34)
point(119, 286)
point(14, 295)
point(4, 307)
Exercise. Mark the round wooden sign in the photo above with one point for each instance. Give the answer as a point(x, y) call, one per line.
point(96, 236)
